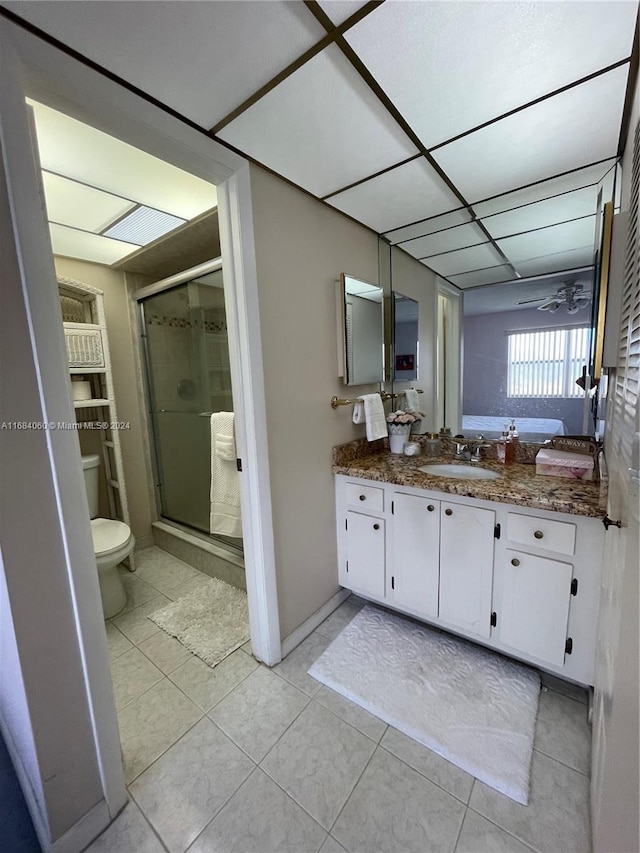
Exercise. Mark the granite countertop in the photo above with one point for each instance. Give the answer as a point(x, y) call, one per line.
point(518, 483)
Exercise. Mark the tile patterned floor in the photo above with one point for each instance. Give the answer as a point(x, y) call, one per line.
point(246, 759)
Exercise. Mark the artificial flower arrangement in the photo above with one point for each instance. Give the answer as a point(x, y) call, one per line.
point(400, 418)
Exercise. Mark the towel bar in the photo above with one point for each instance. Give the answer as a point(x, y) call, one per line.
point(340, 401)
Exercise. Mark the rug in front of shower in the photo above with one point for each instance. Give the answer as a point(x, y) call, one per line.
point(474, 708)
point(211, 622)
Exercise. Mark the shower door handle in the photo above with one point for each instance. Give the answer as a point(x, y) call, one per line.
point(204, 414)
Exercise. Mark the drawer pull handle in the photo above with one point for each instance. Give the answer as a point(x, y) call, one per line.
point(363, 497)
point(430, 508)
point(448, 512)
point(376, 527)
point(538, 534)
point(515, 562)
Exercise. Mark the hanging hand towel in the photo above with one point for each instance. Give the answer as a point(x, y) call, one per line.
point(358, 412)
point(225, 515)
point(374, 416)
point(411, 403)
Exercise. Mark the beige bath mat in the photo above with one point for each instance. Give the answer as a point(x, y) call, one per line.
point(211, 622)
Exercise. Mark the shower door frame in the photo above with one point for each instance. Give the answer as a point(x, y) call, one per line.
point(140, 296)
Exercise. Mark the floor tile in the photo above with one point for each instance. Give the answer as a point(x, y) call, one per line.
point(559, 685)
point(338, 620)
point(562, 730)
point(138, 591)
point(132, 674)
point(165, 651)
point(259, 711)
point(116, 641)
point(294, 667)
point(260, 818)
point(162, 570)
point(129, 832)
point(357, 601)
point(152, 723)
point(135, 625)
point(331, 846)
point(183, 790)
point(205, 685)
point(557, 817)
point(394, 808)
point(445, 774)
point(351, 713)
point(184, 589)
point(479, 835)
point(318, 761)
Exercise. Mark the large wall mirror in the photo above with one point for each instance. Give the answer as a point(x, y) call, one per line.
point(362, 331)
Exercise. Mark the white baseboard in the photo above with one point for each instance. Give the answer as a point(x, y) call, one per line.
point(82, 833)
point(302, 631)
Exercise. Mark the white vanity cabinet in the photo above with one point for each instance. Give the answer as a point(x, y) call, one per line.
point(522, 581)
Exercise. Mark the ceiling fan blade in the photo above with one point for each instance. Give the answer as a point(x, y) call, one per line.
point(539, 299)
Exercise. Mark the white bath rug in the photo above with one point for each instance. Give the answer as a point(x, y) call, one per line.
point(471, 706)
point(211, 622)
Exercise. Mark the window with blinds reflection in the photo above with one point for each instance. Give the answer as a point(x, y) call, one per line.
point(547, 363)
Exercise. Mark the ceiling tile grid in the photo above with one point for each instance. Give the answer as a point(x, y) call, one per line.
point(560, 208)
point(429, 226)
point(322, 127)
point(445, 241)
point(549, 241)
point(465, 260)
point(409, 192)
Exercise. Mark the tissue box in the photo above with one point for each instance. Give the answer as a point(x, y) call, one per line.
point(562, 463)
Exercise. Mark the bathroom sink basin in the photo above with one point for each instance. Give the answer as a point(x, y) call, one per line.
point(462, 472)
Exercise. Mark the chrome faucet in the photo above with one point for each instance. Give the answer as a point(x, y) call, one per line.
point(462, 451)
point(476, 456)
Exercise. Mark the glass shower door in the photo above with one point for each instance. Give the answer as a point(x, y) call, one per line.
point(189, 378)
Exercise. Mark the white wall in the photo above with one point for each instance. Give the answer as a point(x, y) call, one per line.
point(129, 405)
point(301, 248)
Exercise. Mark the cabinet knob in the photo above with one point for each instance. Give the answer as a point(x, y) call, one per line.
point(376, 527)
point(515, 562)
point(538, 534)
point(430, 508)
point(363, 497)
point(448, 512)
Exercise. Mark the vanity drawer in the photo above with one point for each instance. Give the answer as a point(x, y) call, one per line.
point(559, 536)
point(365, 497)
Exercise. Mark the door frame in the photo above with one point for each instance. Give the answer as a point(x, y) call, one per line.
point(62, 82)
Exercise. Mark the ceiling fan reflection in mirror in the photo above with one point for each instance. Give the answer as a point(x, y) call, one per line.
point(572, 296)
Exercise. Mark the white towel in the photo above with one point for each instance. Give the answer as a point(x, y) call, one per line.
point(374, 416)
point(358, 412)
point(411, 403)
point(225, 515)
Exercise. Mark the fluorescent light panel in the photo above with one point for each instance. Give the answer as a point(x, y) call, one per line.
point(143, 225)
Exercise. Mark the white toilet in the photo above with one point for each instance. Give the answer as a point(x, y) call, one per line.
point(112, 542)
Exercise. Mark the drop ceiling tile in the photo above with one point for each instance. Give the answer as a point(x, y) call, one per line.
point(69, 147)
point(492, 275)
point(87, 247)
point(428, 226)
point(464, 63)
point(410, 192)
point(445, 241)
point(322, 127)
point(70, 203)
point(538, 192)
point(561, 208)
point(464, 260)
point(573, 259)
point(547, 241)
point(340, 10)
point(201, 59)
point(577, 127)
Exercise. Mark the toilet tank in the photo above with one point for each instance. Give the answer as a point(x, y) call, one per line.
point(90, 469)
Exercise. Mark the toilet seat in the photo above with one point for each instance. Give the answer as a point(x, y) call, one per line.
point(108, 535)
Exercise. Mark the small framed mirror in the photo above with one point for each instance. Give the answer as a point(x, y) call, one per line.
point(362, 339)
point(405, 338)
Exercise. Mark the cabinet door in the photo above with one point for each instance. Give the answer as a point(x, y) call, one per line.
point(466, 566)
point(415, 553)
point(533, 613)
point(365, 538)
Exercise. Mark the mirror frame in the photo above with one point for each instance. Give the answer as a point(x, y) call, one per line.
point(343, 336)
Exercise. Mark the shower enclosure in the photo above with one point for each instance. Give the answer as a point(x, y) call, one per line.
point(184, 332)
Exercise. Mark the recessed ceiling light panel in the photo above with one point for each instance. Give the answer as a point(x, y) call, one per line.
point(143, 225)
